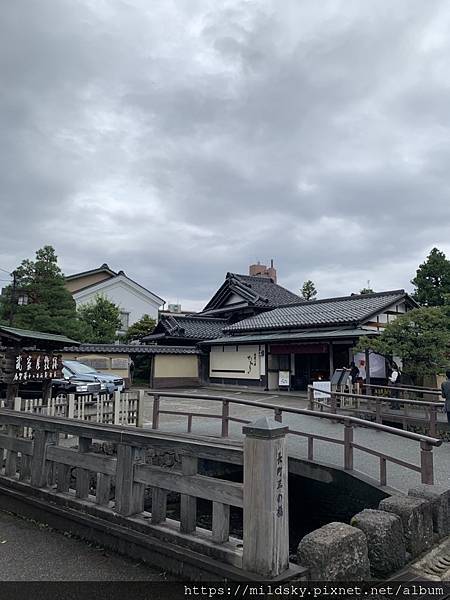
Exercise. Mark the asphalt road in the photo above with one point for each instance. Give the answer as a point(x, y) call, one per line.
point(33, 552)
point(397, 477)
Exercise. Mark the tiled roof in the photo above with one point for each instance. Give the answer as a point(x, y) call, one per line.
point(196, 328)
point(320, 313)
point(301, 336)
point(131, 349)
point(21, 334)
point(257, 291)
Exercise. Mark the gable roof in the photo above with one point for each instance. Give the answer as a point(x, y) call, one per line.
point(198, 328)
point(255, 291)
point(103, 269)
point(119, 277)
point(345, 310)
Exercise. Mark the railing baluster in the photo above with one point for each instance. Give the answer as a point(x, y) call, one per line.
point(310, 447)
point(225, 417)
point(159, 505)
point(103, 491)
point(83, 475)
point(129, 495)
point(383, 471)
point(188, 507)
point(189, 427)
point(155, 418)
point(220, 522)
point(433, 421)
point(348, 446)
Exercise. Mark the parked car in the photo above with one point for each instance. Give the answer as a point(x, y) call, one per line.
point(86, 373)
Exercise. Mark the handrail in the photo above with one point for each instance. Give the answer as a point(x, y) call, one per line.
point(379, 398)
point(405, 388)
point(427, 443)
point(302, 411)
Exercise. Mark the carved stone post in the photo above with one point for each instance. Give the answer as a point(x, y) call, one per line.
point(266, 531)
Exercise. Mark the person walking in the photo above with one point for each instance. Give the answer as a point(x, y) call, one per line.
point(445, 391)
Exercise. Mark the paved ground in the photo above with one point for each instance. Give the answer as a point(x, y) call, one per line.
point(398, 477)
point(33, 552)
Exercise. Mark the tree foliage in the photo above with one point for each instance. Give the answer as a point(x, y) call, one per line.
point(432, 280)
point(41, 300)
point(100, 320)
point(141, 328)
point(366, 290)
point(421, 337)
point(308, 291)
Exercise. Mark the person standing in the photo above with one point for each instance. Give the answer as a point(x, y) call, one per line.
point(445, 391)
point(393, 381)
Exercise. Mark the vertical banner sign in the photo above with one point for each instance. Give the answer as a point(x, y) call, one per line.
point(36, 366)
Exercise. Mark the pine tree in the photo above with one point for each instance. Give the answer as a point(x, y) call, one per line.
point(308, 291)
point(432, 280)
point(141, 328)
point(40, 300)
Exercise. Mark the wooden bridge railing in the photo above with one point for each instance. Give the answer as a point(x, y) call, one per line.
point(403, 391)
point(368, 405)
point(425, 443)
point(113, 487)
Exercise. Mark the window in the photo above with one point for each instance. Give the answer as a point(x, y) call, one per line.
point(279, 362)
point(125, 320)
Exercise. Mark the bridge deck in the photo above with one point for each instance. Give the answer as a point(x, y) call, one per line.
point(29, 552)
point(398, 477)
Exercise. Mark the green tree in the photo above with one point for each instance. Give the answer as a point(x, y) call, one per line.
point(432, 280)
point(421, 337)
point(101, 321)
point(308, 291)
point(40, 299)
point(366, 290)
point(141, 328)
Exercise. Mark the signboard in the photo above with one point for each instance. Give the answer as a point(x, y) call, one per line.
point(377, 365)
point(36, 366)
point(321, 385)
point(284, 378)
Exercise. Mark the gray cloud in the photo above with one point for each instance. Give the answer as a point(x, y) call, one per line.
point(179, 141)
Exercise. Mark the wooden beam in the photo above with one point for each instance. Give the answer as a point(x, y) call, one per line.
point(188, 506)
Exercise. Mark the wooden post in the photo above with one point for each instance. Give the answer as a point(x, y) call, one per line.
point(140, 409)
point(331, 361)
point(103, 489)
point(155, 418)
point(433, 420)
point(129, 495)
point(116, 408)
point(225, 416)
point(188, 504)
point(220, 522)
point(378, 417)
point(310, 397)
point(159, 505)
point(266, 532)
point(83, 475)
point(278, 415)
point(42, 439)
point(426, 463)
point(348, 446)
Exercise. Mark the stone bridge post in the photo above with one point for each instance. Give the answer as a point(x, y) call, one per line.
point(266, 530)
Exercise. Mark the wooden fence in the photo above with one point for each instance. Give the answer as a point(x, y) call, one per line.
point(120, 408)
point(425, 443)
point(63, 476)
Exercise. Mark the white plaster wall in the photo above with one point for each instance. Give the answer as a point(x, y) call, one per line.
point(126, 298)
point(235, 362)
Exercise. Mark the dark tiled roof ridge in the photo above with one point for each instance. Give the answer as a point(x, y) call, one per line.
point(351, 297)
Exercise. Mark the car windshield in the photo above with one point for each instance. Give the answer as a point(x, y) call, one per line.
point(79, 368)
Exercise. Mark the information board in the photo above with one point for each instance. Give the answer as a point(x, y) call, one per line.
point(320, 387)
point(284, 378)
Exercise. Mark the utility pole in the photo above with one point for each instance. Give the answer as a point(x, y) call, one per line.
point(13, 299)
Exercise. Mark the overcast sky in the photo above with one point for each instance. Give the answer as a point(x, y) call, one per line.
point(179, 140)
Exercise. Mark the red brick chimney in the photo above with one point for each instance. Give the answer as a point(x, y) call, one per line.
point(260, 270)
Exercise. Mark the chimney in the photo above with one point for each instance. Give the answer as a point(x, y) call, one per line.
point(260, 270)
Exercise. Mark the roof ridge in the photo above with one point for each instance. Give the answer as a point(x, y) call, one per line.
point(399, 292)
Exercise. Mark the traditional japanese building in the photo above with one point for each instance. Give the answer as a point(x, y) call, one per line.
point(308, 340)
